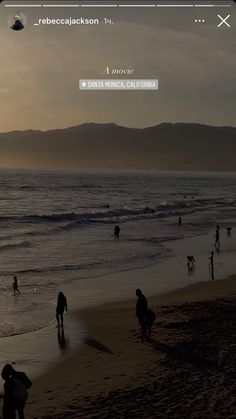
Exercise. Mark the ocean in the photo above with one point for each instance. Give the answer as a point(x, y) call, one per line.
point(56, 228)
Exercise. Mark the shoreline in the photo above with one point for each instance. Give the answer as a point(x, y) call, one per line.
point(174, 249)
point(167, 275)
point(96, 365)
point(112, 359)
point(37, 351)
point(157, 279)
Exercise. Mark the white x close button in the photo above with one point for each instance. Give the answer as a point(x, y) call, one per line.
point(223, 20)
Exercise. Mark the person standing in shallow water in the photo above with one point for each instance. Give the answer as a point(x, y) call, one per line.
point(116, 232)
point(217, 238)
point(61, 307)
point(15, 285)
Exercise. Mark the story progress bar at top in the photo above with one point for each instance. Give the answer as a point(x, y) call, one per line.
point(118, 5)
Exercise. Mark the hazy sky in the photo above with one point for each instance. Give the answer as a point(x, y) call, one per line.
point(41, 67)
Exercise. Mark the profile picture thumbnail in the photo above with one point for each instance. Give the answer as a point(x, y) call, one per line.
point(17, 22)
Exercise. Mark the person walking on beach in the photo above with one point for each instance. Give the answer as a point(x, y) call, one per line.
point(15, 392)
point(141, 312)
point(116, 232)
point(15, 285)
point(180, 221)
point(61, 307)
point(217, 237)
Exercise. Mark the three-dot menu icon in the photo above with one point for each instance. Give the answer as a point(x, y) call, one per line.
point(200, 20)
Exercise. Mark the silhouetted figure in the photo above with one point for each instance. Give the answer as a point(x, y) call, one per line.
point(108, 206)
point(15, 392)
point(191, 262)
point(211, 260)
point(217, 238)
point(141, 312)
point(61, 307)
point(211, 264)
point(148, 322)
point(191, 268)
point(15, 285)
point(180, 221)
point(228, 229)
point(17, 25)
point(116, 232)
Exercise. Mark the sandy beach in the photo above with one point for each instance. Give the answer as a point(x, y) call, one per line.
point(99, 368)
point(186, 370)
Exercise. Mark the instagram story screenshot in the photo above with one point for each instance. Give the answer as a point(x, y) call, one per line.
point(117, 209)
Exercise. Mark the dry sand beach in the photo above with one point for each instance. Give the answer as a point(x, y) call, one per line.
point(187, 369)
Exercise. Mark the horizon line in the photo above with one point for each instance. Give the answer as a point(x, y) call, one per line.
point(118, 125)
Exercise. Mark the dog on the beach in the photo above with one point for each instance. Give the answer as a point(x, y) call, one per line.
point(190, 260)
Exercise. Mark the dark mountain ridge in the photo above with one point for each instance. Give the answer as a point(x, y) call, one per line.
point(167, 146)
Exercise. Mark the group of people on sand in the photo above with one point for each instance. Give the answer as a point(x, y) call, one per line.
point(16, 386)
point(17, 383)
